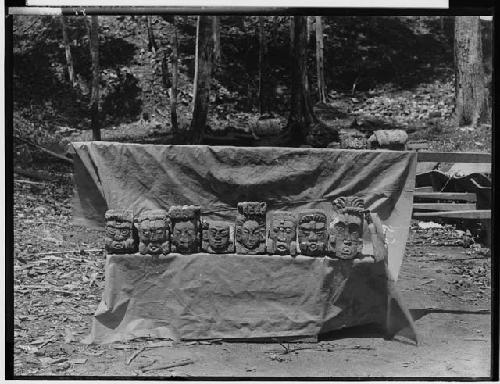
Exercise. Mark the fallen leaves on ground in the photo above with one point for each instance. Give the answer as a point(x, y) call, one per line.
point(57, 284)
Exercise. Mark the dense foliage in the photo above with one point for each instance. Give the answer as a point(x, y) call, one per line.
point(361, 53)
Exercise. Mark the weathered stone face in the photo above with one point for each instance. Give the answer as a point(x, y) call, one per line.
point(184, 236)
point(251, 234)
point(282, 234)
point(119, 231)
point(346, 236)
point(217, 237)
point(185, 229)
point(346, 229)
point(312, 233)
point(154, 232)
point(251, 228)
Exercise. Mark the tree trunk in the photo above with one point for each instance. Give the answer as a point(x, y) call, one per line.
point(203, 70)
point(262, 104)
point(320, 60)
point(94, 97)
point(471, 95)
point(152, 47)
point(309, 27)
point(67, 50)
point(292, 35)
point(216, 32)
point(301, 112)
point(173, 90)
point(165, 74)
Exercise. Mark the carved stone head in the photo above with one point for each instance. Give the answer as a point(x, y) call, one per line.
point(251, 228)
point(312, 233)
point(154, 232)
point(217, 237)
point(283, 233)
point(119, 231)
point(346, 228)
point(186, 228)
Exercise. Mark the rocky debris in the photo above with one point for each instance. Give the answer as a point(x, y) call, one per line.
point(467, 239)
point(368, 124)
point(471, 275)
point(439, 235)
point(331, 111)
point(434, 100)
point(352, 139)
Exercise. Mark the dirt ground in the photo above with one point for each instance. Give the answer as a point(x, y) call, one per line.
point(58, 280)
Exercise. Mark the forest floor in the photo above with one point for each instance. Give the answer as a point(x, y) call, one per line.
point(58, 281)
point(58, 271)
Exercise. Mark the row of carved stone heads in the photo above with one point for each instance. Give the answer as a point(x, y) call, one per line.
point(181, 230)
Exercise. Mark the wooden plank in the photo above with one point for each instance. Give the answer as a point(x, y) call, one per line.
point(424, 189)
point(462, 196)
point(417, 146)
point(443, 206)
point(478, 214)
point(453, 157)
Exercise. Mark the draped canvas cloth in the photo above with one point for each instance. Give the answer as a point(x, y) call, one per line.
point(139, 177)
point(206, 296)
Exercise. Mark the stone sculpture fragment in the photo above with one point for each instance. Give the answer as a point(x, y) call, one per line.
point(312, 233)
point(186, 229)
point(250, 228)
point(119, 231)
point(282, 234)
point(154, 232)
point(217, 237)
point(346, 229)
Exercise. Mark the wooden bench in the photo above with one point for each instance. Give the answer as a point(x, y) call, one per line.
point(432, 204)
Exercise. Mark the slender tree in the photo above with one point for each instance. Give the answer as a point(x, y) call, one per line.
point(203, 71)
point(67, 50)
point(175, 71)
point(301, 112)
point(216, 32)
point(471, 95)
point(320, 60)
point(94, 97)
point(165, 74)
point(262, 48)
point(310, 20)
point(152, 47)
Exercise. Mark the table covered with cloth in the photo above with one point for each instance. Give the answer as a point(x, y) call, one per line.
point(203, 296)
